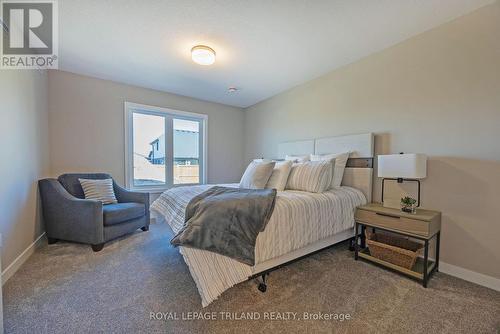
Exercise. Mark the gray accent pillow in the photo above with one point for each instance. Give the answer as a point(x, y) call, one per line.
point(257, 174)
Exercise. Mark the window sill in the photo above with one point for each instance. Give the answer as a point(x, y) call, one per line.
point(163, 189)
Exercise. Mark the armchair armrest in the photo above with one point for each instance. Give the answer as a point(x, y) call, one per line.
point(69, 218)
point(126, 196)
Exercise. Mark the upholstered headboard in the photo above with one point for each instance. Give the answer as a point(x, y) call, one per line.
point(359, 171)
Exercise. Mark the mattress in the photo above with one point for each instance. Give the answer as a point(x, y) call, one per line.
point(299, 219)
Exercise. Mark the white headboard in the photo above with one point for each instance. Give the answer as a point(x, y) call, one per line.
point(302, 147)
point(360, 146)
point(359, 171)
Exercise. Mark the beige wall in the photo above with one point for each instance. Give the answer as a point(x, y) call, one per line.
point(437, 93)
point(24, 158)
point(87, 126)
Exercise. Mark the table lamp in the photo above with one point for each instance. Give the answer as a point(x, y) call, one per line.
point(402, 167)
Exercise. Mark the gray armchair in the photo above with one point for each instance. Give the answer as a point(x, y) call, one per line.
point(69, 216)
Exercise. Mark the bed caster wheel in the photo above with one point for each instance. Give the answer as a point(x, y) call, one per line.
point(145, 228)
point(262, 285)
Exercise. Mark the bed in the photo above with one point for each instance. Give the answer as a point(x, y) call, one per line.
point(301, 222)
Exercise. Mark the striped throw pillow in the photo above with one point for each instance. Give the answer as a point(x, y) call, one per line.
point(312, 176)
point(279, 177)
point(100, 190)
point(339, 161)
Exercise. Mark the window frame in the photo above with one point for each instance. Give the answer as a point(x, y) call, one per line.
point(169, 115)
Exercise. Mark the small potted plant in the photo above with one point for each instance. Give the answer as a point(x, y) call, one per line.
point(408, 205)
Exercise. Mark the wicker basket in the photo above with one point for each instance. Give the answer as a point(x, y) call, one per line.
point(394, 249)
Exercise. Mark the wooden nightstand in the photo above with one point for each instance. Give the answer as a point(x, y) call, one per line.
point(425, 225)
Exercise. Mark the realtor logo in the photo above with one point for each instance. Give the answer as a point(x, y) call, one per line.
point(29, 34)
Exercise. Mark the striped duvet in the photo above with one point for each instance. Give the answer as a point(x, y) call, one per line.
point(299, 219)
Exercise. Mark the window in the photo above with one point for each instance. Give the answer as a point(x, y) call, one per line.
point(186, 151)
point(164, 147)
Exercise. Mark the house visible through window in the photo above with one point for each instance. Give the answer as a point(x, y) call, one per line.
point(164, 147)
point(186, 151)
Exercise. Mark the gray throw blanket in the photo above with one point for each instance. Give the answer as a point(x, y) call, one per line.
point(227, 221)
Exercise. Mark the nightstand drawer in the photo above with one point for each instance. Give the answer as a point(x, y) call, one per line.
point(395, 222)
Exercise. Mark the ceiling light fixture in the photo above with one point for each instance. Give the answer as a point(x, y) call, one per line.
point(232, 89)
point(203, 55)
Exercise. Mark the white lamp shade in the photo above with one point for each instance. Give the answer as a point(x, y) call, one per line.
point(406, 166)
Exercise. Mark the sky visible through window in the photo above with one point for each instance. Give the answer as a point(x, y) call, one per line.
point(146, 129)
point(150, 127)
point(186, 125)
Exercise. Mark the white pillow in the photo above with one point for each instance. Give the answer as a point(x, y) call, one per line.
point(257, 174)
point(297, 158)
point(100, 190)
point(262, 160)
point(312, 176)
point(339, 160)
point(279, 177)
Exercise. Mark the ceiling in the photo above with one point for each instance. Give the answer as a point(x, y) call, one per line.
point(263, 47)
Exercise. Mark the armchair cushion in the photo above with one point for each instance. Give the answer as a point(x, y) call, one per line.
point(121, 212)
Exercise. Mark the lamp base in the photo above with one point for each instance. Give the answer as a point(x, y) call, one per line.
point(392, 203)
point(396, 204)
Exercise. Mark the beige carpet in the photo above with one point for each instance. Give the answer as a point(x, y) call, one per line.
point(66, 288)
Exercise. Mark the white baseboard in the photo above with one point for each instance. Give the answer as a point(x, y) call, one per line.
point(469, 275)
point(18, 262)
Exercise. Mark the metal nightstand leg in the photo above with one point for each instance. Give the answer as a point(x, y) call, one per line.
point(356, 241)
point(426, 260)
point(363, 236)
point(438, 243)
